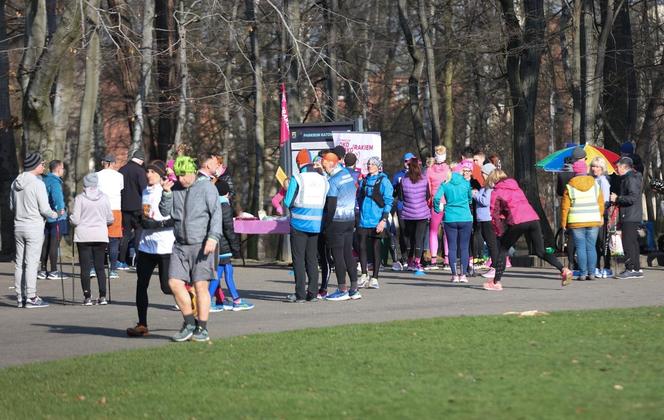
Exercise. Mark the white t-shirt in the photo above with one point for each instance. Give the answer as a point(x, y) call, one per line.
point(155, 241)
point(111, 183)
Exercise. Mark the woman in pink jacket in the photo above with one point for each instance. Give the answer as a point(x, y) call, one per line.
point(512, 216)
point(438, 173)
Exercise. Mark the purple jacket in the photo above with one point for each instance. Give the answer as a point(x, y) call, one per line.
point(415, 206)
point(510, 206)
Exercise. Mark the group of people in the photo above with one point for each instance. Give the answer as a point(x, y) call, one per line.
point(339, 216)
point(177, 215)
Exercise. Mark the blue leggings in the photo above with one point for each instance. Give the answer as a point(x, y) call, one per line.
point(458, 240)
point(227, 271)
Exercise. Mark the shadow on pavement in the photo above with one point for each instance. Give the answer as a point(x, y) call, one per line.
point(263, 295)
point(83, 330)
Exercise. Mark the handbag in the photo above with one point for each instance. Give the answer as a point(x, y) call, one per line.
point(615, 243)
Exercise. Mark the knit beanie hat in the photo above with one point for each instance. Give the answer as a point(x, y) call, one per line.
point(159, 167)
point(580, 168)
point(303, 158)
point(375, 160)
point(578, 153)
point(222, 187)
point(488, 168)
point(184, 165)
point(138, 154)
point(31, 161)
point(90, 180)
point(627, 148)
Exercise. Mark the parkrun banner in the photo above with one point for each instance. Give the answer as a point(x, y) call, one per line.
point(364, 145)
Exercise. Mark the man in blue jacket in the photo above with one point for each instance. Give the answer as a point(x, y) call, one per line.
point(55, 227)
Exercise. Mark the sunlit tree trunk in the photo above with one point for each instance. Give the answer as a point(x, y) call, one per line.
point(426, 30)
point(145, 76)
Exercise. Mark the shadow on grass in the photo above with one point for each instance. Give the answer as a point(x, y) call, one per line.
point(85, 330)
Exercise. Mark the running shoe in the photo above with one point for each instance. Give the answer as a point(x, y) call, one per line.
point(185, 333)
point(598, 273)
point(363, 281)
point(607, 273)
point(354, 294)
point(322, 294)
point(397, 266)
point(455, 279)
point(490, 274)
point(35, 302)
point(567, 276)
point(42, 275)
point(493, 287)
point(114, 274)
point(627, 274)
point(242, 305)
point(122, 266)
point(216, 308)
point(463, 279)
point(56, 275)
point(93, 273)
point(139, 330)
point(200, 335)
point(87, 302)
point(294, 299)
point(338, 295)
point(373, 283)
point(102, 301)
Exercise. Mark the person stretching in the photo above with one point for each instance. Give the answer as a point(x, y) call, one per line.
point(512, 216)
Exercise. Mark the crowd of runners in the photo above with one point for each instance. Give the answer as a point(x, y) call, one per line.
point(458, 214)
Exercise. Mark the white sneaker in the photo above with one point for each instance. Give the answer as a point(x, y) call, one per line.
point(490, 274)
point(363, 281)
point(397, 266)
point(56, 275)
point(373, 284)
point(456, 279)
point(463, 279)
point(41, 275)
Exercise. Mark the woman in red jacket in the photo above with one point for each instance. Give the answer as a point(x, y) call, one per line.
point(512, 216)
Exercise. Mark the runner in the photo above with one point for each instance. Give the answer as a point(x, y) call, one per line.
point(375, 198)
point(512, 216)
point(154, 248)
point(193, 204)
point(437, 174)
point(414, 193)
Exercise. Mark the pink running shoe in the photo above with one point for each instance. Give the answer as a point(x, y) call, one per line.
point(456, 279)
point(508, 262)
point(567, 276)
point(493, 287)
point(463, 279)
point(490, 274)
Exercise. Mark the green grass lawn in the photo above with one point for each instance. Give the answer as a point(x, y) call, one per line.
point(595, 364)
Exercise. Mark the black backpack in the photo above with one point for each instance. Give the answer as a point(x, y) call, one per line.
point(376, 195)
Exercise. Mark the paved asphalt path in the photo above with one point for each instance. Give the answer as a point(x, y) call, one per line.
point(61, 331)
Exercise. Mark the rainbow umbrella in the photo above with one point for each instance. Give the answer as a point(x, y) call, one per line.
point(555, 162)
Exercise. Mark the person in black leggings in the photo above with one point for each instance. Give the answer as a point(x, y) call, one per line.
point(154, 247)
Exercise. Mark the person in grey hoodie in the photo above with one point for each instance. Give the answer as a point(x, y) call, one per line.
point(29, 203)
point(92, 215)
point(193, 204)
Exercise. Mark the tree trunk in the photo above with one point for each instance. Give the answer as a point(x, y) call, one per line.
point(166, 76)
point(524, 51)
point(448, 136)
point(38, 125)
point(293, 18)
point(184, 77)
point(86, 139)
point(8, 163)
point(145, 75)
point(331, 81)
point(62, 105)
point(414, 80)
point(427, 29)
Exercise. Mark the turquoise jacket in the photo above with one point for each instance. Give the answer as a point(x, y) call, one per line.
point(458, 196)
point(56, 197)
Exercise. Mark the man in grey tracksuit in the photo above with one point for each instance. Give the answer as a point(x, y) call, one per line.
point(193, 204)
point(29, 203)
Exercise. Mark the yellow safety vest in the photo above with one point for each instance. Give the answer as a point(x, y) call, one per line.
point(584, 208)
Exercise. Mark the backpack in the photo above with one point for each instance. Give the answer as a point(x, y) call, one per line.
point(376, 195)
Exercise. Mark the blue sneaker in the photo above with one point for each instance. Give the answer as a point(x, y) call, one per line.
point(607, 273)
point(114, 274)
point(354, 294)
point(217, 308)
point(242, 305)
point(338, 295)
point(93, 273)
point(598, 273)
point(122, 266)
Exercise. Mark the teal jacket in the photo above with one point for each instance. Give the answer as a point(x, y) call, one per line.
point(56, 197)
point(458, 195)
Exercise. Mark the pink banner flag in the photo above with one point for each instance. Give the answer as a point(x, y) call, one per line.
point(284, 130)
